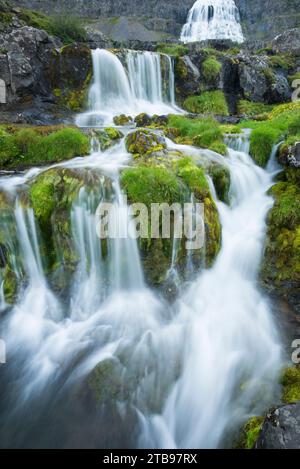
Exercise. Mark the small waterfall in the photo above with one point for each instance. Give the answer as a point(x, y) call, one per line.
point(213, 19)
point(143, 82)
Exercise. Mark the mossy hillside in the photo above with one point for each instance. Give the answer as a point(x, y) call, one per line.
point(209, 102)
point(24, 147)
point(204, 133)
point(175, 50)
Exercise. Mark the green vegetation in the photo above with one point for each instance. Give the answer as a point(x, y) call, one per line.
point(282, 122)
point(175, 50)
point(39, 145)
point(67, 27)
point(291, 385)
point(250, 433)
point(251, 109)
point(151, 184)
point(193, 177)
point(143, 142)
point(211, 69)
point(209, 102)
point(286, 61)
point(205, 133)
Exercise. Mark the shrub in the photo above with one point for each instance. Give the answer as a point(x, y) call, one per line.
point(211, 70)
point(210, 102)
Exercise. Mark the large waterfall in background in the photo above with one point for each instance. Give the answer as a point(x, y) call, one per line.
point(134, 83)
point(213, 19)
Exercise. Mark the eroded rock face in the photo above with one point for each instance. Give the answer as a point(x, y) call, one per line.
point(281, 428)
point(289, 155)
point(288, 42)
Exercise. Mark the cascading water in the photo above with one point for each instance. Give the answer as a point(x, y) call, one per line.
point(187, 374)
point(143, 82)
point(213, 19)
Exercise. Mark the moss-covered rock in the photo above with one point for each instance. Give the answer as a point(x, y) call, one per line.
point(250, 433)
point(211, 69)
point(123, 120)
point(209, 102)
point(107, 137)
point(143, 120)
point(281, 263)
point(145, 142)
point(10, 285)
point(221, 179)
point(290, 381)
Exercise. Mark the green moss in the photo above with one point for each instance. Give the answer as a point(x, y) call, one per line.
point(294, 77)
point(262, 141)
point(105, 381)
point(123, 120)
point(175, 50)
point(250, 433)
point(211, 69)
point(210, 102)
point(6, 18)
point(291, 385)
point(252, 109)
point(144, 142)
point(194, 177)
point(10, 285)
point(221, 179)
point(230, 129)
point(286, 62)
point(151, 184)
point(30, 146)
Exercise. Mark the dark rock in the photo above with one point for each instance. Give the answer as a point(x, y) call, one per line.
point(288, 42)
point(142, 120)
point(281, 429)
point(289, 155)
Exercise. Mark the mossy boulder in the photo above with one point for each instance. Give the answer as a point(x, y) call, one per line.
point(250, 433)
point(108, 137)
point(290, 381)
point(145, 142)
point(221, 179)
point(143, 120)
point(123, 120)
point(105, 382)
point(281, 263)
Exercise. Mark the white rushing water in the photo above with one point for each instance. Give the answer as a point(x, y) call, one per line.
point(195, 370)
point(213, 19)
point(142, 82)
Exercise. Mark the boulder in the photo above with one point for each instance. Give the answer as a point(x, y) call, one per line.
point(281, 428)
point(144, 142)
point(289, 155)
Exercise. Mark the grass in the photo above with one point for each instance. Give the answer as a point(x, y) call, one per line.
point(67, 27)
point(151, 184)
point(210, 102)
point(291, 385)
point(281, 123)
point(29, 146)
point(175, 50)
point(251, 109)
point(211, 69)
point(205, 133)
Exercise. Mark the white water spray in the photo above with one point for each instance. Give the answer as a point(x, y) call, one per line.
point(213, 19)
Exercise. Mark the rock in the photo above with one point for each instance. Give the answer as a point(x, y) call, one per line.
point(144, 142)
point(221, 179)
point(123, 120)
point(288, 42)
point(289, 155)
point(96, 39)
point(3, 256)
point(281, 428)
point(107, 137)
point(142, 120)
point(187, 77)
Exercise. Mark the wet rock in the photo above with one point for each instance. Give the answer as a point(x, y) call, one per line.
point(281, 428)
point(107, 137)
point(289, 155)
point(144, 142)
point(143, 120)
point(123, 120)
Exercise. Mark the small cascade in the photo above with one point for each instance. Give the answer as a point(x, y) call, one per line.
point(239, 142)
point(138, 82)
point(213, 19)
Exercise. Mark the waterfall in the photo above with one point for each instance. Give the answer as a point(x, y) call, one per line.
point(230, 347)
point(213, 19)
point(142, 82)
point(191, 372)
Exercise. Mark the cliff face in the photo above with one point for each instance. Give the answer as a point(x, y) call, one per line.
point(260, 19)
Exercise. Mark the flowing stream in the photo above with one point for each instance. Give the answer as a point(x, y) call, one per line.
point(185, 374)
point(213, 19)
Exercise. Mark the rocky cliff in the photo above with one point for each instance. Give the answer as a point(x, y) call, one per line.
point(261, 20)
